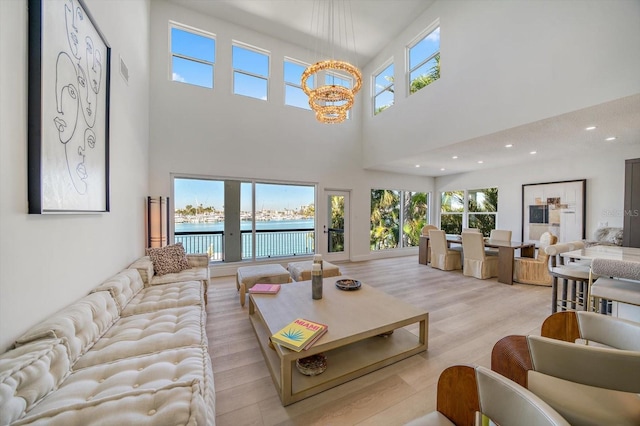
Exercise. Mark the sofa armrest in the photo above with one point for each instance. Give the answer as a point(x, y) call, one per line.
point(144, 265)
point(198, 260)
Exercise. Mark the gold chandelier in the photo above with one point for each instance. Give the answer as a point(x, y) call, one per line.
point(332, 102)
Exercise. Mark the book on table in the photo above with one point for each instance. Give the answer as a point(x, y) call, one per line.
point(299, 334)
point(265, 288)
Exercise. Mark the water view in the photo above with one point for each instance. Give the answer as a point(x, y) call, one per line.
point(273, 238)
point(245, 225)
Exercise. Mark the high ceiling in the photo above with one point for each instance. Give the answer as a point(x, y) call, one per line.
point(553, 138)
point(301, 20)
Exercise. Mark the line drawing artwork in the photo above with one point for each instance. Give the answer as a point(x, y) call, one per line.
point(78, 76)
point(69, 86)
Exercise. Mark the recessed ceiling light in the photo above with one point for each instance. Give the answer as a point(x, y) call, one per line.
point(509, 145)
point(610, 138)
point(455, 157)
point(442, 169)
point(533, 152)
point(591, 128)
point(480, 162)
point(418, 165)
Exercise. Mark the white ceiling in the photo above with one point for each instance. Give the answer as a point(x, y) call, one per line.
point(553, 138)
point(300, 20)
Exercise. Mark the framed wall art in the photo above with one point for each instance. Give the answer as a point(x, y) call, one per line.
point(555, 207)
point(68, 134)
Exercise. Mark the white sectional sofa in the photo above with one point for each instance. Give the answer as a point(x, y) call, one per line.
point(125, 354)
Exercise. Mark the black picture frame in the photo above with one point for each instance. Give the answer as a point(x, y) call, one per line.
point(556, 207)
point(68, 109)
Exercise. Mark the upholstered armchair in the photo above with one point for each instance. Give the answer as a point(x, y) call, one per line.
point(465, 392)
point(441, 256)
point(476, 263)
point(535, 271)
point(594, 381)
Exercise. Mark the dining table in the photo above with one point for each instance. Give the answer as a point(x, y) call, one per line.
point(506, 253)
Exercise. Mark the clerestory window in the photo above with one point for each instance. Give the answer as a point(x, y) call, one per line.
point(250, 72)
point(293, 93)
point(383, 89)
point(424, 61)
point(193, 54)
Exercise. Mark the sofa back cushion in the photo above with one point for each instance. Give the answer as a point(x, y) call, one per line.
point(123, 287)
point(81, 324)
point(28, 374)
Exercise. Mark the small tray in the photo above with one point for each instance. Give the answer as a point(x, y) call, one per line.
point(348, 284)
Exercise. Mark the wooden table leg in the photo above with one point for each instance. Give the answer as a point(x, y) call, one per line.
point(505, 265)
point(423, 250)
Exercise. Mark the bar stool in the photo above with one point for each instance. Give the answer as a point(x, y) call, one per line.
point(574, 278)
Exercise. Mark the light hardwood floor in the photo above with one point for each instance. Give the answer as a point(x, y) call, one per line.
point(466, 317)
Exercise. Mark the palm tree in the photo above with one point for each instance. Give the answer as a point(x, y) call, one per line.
point(415, 217)
point(426, 79)
point(385, 214)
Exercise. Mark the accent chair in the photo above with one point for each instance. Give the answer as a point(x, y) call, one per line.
point(527, 270)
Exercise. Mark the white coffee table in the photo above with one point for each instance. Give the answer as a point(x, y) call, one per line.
point(352, 345)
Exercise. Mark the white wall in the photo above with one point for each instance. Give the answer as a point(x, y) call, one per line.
point(204, 132)
point(605, 185)
point(504, 64)
point(48, 261)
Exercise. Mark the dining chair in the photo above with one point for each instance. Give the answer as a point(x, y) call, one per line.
point(441, 256)
point(459, 247)
point(427, 228)
point(476, 263)
point(425, 232)
point(529, 270)
point(499, 235)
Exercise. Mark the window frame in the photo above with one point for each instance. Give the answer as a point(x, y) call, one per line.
point(197, 32)
point(375, 93)
point(421, 36)
point(466, 212)
point(298, 85)
point(267, 78)
point(255, 223)
point(402, 220)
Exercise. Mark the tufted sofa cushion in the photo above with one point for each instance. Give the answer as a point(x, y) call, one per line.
point(165, 296)
point(29, 373)
point(81, 324)
point(148, 333)
point(149, 372)
point(180, 404)
point(123, 287)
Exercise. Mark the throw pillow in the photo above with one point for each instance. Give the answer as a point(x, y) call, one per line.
point(169, 259)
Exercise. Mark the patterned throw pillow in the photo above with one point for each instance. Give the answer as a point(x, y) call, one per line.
point(169, 259)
